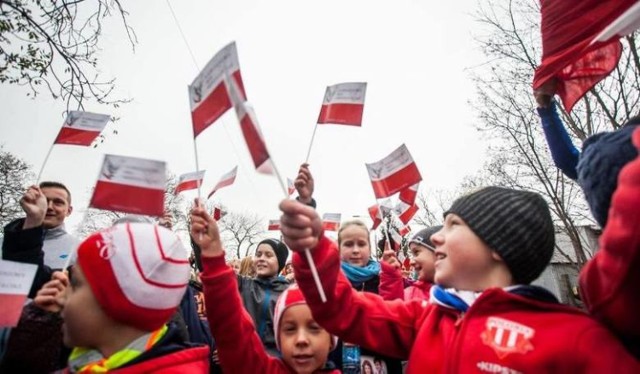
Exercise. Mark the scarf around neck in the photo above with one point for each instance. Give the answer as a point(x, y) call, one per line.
point(86, 360)
point(358, 274)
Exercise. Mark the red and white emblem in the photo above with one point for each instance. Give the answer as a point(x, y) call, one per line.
point(506, 337)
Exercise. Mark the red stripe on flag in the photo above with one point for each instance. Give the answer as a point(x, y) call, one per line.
point(342, 114)
point(257, 148)
point(273, 227)
point(68, 135)
point(403, 178)
point(11, 309)
point(406, 216)
point(128, 199)
point(214, 105)
point(330, 225)
point(188, 185)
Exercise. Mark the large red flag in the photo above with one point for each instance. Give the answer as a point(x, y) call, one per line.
point(343, 104)
point(131, 185)
point(580, 44)
point(393, 173)
point(225, 180)
point(81, 128)
point(209, 95)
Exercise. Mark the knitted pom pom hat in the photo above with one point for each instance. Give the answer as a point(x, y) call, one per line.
point(290, 297)
point(516, 224)
point(138, 272)
point(603, 155)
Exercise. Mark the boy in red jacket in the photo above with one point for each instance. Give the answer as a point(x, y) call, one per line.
point(484, 316)
point(303, 344)
point(127, 283)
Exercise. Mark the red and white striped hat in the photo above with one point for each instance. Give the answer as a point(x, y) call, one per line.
point(290, 297)
point(138, 272)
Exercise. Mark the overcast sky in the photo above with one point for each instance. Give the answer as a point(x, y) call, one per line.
point(414, 55)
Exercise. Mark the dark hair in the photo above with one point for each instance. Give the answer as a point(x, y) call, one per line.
point(50, 184)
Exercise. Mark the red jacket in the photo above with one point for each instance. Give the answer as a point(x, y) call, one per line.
point(240, 349)
point(192, 360)
point(392, 285)
point(610, 282)
point(501, 331)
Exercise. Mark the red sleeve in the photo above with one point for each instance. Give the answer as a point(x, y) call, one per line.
point(391, 284)
point(610, 282)
point(239, 347)
point(611, 356)
point(361, 318)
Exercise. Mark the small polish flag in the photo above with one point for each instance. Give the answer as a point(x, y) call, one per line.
point(131, 185)
point(404, 230)
point(376, 217)
point(393, 173)
point(291, 188)
point(226, 180)
point(409, 194)
point(274, 224)
point(209, 95)
point(218, 213)
point(331, 221)
point(343, 104)
point(253, 138)
point(406, 212)
point(16, 279)
point(397, 238)
point(189, 181)
point(81, 128)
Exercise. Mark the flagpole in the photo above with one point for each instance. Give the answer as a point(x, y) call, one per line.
point(311, 143)
point(307, 252)
point(45, 162)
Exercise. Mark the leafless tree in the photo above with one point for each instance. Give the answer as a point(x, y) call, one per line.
point(518, 154)
point(54, 44)
point(15, 175)
point(240, 230)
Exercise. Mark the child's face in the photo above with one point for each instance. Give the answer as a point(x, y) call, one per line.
point(463, 260)
point(354, 246)
point(266, 262)
point(303, 343)
point(423, 262)
point(82, 314)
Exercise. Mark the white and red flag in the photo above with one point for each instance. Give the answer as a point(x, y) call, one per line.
point(403, 231)
point(16, 279)
point(81, 128)
point(409, 194)
point(218, 213)
point(343, 104)
point(580, 45)
point(274, 224)
point(406, 212)
point(226, 180)
point(393, 173)
point(209, 94)
point(331, 221)
point(291, 188)
point(131, 185)
point(253, 138)
point(376, 217)
point(189, 181)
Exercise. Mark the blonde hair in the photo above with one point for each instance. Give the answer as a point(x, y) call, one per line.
point(246, 267)
point(354, 222)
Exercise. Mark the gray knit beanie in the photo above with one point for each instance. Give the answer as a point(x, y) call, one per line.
point(516, 224)
point(423, 237)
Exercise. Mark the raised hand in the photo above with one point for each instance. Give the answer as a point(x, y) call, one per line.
point(51, 296)
point(389, 256)
point(304, 184)
point(204, 231)
point(34, 204)
point(300, 225)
